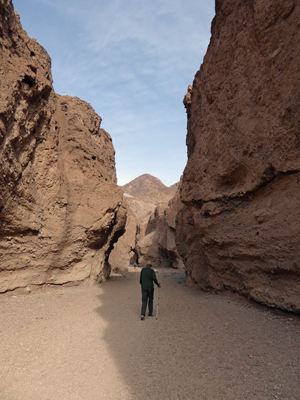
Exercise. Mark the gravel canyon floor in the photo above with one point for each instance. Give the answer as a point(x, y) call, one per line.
point(89, 343)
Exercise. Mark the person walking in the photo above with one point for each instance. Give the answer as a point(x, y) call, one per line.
point(147, 277)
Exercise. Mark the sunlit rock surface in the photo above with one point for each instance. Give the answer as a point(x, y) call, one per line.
point(240, 227)
point(61, 210)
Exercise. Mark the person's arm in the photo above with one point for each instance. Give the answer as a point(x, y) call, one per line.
point(155, 280)
point(141, 277)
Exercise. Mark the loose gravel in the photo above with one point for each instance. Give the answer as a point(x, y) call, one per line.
point(89, 343)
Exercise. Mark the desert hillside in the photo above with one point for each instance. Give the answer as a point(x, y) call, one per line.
point(149, 189)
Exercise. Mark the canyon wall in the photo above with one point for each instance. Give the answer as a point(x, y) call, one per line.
point(155, 207)
point(158, 243)
point(60, 208)
point(124, 252)
point(239, 228)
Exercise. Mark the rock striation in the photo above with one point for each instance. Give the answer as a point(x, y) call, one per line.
point(240, 227)
point(60, 208)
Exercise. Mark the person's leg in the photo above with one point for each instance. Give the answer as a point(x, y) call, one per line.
point(144, 301)
point(150, 304)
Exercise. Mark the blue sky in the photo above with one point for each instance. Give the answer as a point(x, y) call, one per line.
point(132, 60)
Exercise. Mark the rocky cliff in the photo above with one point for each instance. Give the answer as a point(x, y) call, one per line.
point(158, 243)
point(150, 228)
point(60, 208)
point(124, 251)
point(240, 227)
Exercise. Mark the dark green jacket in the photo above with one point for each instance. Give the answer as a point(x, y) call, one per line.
point(147, 277)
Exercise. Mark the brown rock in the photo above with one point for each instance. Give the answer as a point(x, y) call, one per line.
point(124, 252)
point(149, 189)
point(142, 211)
point(148, 198)
point(143, 194)
point(187, 101)
point(159, 244)
point(240, 227)
point(61, 210)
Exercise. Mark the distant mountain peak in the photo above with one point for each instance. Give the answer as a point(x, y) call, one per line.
point(150, 189)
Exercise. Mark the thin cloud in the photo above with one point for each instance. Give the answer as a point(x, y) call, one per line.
point(132, 60)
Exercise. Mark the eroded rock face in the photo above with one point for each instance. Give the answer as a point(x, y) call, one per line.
point(240, 227)
point(155, 207)
point(61, 210)
point(158, 244)
point(124, 251)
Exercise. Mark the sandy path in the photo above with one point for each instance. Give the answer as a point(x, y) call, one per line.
point(89, 344)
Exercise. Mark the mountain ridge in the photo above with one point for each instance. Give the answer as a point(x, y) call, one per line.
point(150, 189)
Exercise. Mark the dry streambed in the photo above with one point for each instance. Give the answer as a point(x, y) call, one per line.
point(89, 343)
